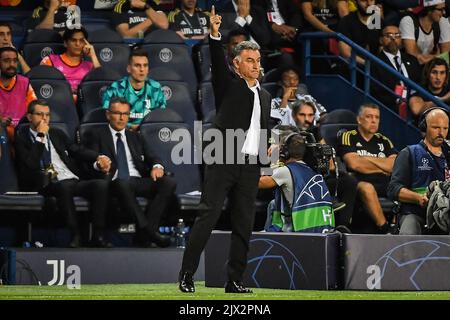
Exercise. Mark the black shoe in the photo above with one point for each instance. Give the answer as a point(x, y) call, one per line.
point(338, 205)
point(236, 287)
point(160, 240)
point(100, 242)
point(75, 242)
point(186, 283)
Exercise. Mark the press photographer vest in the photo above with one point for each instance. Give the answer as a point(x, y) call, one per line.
point(311, 209)
point(425, 168)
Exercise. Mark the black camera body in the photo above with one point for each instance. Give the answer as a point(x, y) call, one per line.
point(317, 156)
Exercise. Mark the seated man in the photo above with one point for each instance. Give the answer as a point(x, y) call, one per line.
point(143, 93)
point(435, 81)
point(6, 41)
point(416, 167)
point(344, 186)
point(189, 22)
point(293, 208)
point(46, 162)
point(135, 171)
point(370, 156)
point(290, 92)
point(15, 90)
point(52, 15)
point(136, 18)
point(72, 63)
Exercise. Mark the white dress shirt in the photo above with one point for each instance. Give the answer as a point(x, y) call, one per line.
point(63, 172)
point(131, 167)
point(391, 58)
point(251, 144)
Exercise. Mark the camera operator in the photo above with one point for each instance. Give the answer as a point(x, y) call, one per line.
point(302, 200)
point(303, 113)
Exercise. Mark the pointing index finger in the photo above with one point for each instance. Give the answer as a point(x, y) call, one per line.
point(213, 10)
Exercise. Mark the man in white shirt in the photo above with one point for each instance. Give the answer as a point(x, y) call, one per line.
point(46, 160)
point(135, 171)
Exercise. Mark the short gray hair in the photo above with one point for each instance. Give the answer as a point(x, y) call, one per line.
point(367, 105)
point(244, 45)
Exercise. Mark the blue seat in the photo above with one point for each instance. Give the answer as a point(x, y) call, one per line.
point(206, 99)
point(167, 49)
point(202, 61)
point(110, 49)
point(179, 100)
point(187, 175)
point(40, 43)
point(58, 94)
point(91, 88)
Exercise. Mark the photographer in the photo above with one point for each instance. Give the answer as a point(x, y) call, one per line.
point(303, 114)
point(302, 200)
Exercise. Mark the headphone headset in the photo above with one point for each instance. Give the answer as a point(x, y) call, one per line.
point(423, 118)
point(284, 149)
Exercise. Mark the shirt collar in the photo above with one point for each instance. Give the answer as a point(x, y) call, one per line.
point(256, 86)
point(113, 131)
point(391, 56)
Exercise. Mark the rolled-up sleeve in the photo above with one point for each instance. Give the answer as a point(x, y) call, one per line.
point(401, 175)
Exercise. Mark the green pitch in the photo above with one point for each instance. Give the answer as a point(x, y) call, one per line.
point(170, 292)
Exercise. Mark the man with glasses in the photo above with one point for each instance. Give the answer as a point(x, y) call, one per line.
point(15, 90)
point(135, 171)
point(421, 32)
point(49, 163)
point(143, 93)
point(405, 64)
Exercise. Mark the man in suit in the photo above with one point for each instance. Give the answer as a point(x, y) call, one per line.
point(240, 105)
point(135, 171)
point(43, 151)
point(404, 63)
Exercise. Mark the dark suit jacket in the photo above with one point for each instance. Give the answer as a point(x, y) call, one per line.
point(234, 100)
point(29, 154)
point(143, 157)
point(414, 73)
point(259, 29)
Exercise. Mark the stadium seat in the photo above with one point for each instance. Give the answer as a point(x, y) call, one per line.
point(187, 176)
point(110, 49)
point(339, 116)
point(91, 88)
point(11, 199)
point(206, 99)
point(40, 43)
point(271, 87)
point(179, 100)
point(167, 49)
point(162, 115)
point(59, 96)
point(202, 61)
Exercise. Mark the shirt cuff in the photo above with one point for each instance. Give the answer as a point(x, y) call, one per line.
point(159, 166)
point(240, 21)
point(216, 38)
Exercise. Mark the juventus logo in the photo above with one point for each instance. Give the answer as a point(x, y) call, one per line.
point(59, 274)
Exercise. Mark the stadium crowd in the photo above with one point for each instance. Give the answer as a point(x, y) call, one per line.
point(117, 74)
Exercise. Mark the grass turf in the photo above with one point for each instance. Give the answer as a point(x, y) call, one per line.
point(170, 292)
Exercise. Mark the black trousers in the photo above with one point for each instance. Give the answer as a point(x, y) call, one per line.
point(157, 192)
point(240, 183)
point(96, 191)
point(346, 192)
